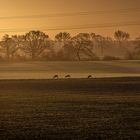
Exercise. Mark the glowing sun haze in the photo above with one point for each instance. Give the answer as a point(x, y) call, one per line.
point(10, 8)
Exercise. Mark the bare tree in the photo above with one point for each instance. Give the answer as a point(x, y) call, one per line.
point(65, 42)
point(121, 36)
point(63, 37)
point(83, 44)
point(34, 43)
point(8, 46)
point(122, 41)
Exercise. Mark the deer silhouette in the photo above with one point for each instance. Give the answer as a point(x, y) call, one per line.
point(55, 77)
point(67, 76)
point(90, 76)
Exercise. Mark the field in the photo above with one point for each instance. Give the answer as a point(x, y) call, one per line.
point(78, 109)
point(46, 70)
point(33, 105)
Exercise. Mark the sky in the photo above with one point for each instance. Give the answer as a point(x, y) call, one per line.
point(12, 8)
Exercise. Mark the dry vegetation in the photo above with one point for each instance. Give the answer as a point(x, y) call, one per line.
point(70, 109)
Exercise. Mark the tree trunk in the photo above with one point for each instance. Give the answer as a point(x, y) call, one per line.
point(7, 53)
point(33, 56)
point(78, 56)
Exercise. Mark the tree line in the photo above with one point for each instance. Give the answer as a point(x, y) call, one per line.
point(37, 45)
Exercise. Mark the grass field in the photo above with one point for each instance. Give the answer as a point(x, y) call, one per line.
point(46, 70)
point(78, 109)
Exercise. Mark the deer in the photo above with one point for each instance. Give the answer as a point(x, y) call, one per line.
point(55, 77)
point(90, 76)
point(67, 76)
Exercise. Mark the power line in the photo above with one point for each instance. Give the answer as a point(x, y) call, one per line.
point(76, 27)
point(55, 15)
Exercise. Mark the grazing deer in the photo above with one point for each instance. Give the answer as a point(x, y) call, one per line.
point(55, 77)
point(67, 76)
point(90, 76)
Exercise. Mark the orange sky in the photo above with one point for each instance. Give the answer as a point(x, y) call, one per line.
point(37, 7)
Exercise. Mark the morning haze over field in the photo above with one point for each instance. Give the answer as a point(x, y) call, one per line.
point(69, 70)
point(98, 12)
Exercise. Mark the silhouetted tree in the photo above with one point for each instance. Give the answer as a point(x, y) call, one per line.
point(100, 40)
point(82, 43)
point(121, 36)
point(38, 46)
point(8, 46)
point(63, 37)
point(122, 40)
point(65, 43)
point(101, 43)
point(35, 42)
point(18, 43)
